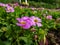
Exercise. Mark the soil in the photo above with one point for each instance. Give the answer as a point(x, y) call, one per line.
point(53, 37)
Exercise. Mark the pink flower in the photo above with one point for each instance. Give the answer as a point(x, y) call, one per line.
point(1, 4)
point(24, 22)
point(8, 5)
point(36, 21)
point(16, 4)
point(9, 9)
point(5, 5)
point(33, 9)
point(49, 17)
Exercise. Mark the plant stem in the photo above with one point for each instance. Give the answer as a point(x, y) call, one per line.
point(44, 39)
point(18, 39)
point(36, 42)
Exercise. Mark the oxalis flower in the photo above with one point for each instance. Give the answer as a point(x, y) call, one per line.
point(24, 22)
point(36, 21)
point(9, 9)
point(49, 17)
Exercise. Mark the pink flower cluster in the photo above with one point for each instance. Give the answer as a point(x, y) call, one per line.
point(27, 22)
point(8, 7)
point(49, 17)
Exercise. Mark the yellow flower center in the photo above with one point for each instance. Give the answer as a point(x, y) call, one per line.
point(35, 20)
point(23, 22)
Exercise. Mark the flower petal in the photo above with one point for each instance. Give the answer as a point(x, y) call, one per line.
point(18, 19)
point(39, 24)
point(18, 24)
point(27, 26)
point(39, 20)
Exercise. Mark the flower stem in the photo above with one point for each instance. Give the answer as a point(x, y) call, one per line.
point(36, 42)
